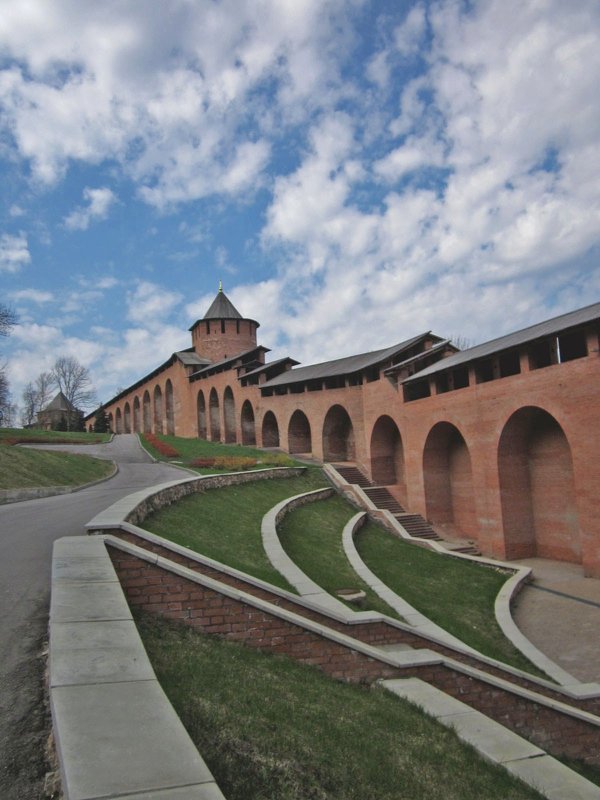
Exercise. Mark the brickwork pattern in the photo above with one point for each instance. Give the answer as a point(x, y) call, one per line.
point(157, 590)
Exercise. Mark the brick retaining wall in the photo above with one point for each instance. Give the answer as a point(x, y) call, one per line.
point(158, 590)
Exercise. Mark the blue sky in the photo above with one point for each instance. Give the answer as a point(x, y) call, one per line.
point(354, 172)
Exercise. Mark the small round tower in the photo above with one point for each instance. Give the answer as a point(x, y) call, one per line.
point(223, 332)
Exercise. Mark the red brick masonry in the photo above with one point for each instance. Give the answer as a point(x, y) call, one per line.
point(207, 605)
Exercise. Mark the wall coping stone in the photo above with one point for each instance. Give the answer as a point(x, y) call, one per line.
point(495, 742)
point(116, 733)
point(403, 658)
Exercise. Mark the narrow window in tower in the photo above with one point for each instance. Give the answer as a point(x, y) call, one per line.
point(222, 326)
point(207, 327)
point(237, 326)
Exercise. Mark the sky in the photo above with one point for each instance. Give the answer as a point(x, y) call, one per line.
point(355, 172)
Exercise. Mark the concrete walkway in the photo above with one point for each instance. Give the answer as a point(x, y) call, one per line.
point(27, 532)
point(559, 612)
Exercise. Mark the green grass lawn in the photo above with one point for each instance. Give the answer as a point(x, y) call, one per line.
point(37, 435)
point(21, 468)
point(269, 728)
point(458, 595)
point(224, 524)
point(190, 449)
point(312, 537)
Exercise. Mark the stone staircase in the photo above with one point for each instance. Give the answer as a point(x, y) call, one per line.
point(414, 524)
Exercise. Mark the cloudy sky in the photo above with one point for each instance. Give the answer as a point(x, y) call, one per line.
point(354, 172)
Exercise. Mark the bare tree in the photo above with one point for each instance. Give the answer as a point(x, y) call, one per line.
point(73, 380)
point(8, 318)
point(43, 389)
point(29, 408)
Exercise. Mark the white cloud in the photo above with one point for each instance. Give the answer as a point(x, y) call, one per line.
point(14, 252)
point(32, 295)
point(98, 201)
point(149, 303)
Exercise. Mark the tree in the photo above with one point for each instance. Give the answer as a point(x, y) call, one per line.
point(100, 421)
point(36, 397)
point(8, 318)
point(29, 408)
point(73, 380)
point(5, 404)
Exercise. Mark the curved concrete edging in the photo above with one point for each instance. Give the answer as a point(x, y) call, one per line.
point(502, 605)
point(419, 621)
point(280, 560)
point(115, 518)
point(19, 495)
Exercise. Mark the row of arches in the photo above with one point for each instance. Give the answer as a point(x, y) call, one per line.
point(151, 414)
point(535, 476)
point(533, 457)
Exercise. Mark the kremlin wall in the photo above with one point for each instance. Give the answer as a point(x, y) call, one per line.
point(498, 443)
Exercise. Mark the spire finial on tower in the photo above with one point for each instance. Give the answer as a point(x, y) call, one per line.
point(220, 286)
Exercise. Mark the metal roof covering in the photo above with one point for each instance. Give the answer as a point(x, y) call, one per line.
point(222, 308)
point(225, 362)
point(265, 367)
point(419, 356)
point(190, 358)
point(342, 366)
point(551, 326)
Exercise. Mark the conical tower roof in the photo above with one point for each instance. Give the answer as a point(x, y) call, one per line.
point(222, 308)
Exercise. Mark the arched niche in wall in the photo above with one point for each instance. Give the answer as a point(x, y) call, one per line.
point(170, 408)
point(448, 480)
point(537, 488)
point(201, 411)
point(387, 455)
point(270, 430)
point(147, 413)
point(229, 415)
point(127, 418)
point(299, 435)
point(338, 435)
point(118, 421)
point(137, 416)
point(248, 427)
point(158, 410)
point(215, 418)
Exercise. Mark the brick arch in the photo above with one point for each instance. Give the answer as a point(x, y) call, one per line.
point(111, 422)
point(387, 456)
point(158, 409)
point(338, 435)
point(537, 488)
point(127, 418)
point(299, 434)
point(147, 413)
point(229, 415)
point(118, 420)
point(137, 421)
point(449, 495)
point(248, 426)
point(215, 416)
point(270, 430)
point(201, 412)
point(170, 407)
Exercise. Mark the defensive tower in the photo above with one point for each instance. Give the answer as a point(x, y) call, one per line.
point(223, 332)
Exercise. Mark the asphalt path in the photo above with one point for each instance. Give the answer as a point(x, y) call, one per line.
point(27, 532)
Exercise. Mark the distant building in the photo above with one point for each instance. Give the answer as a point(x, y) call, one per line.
point(498, 443)
point(59, 414)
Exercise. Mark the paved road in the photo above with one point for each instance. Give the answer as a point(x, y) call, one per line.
point(27, 531)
